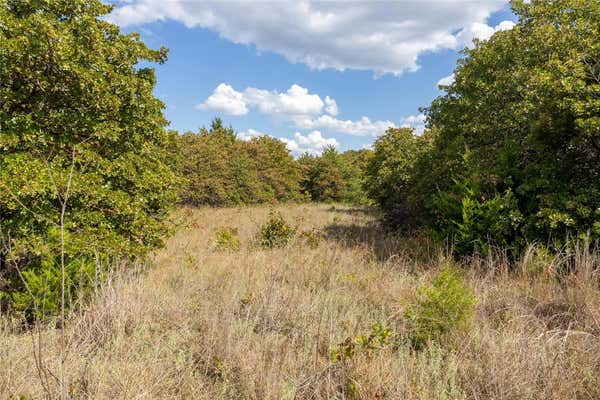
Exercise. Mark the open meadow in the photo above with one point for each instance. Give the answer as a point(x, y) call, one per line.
point(323, 317)
point(300, 200)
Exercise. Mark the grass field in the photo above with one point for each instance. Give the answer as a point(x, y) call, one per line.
point(197, 322)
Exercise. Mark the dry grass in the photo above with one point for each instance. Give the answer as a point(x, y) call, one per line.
point(203, 323)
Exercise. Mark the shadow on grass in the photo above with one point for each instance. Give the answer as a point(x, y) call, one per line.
point(384, 244)
point(357, 210)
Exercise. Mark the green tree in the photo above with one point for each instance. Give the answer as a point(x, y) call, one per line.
point(525, 105)
point(390, 174)
point(77, 117)
point(323, 179)
point(218, 169)
point(354, 166)
point(277, 170)
point(335, 176)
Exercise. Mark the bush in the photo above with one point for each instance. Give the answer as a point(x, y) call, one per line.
point(276, 232)
point(43, 297)
point(514, 157)
point(277, 170)
point(443, 307)
point(389, 176)
point(475, 222)
point(312, 237)
point(334, 176)
point(227, 239)
point(78, 117)
point(377, 339)
point(218, 170)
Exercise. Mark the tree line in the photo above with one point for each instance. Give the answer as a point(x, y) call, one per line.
point(89, 171)
point(220, 169)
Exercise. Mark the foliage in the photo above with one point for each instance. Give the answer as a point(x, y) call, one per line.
point(350, 347)
point(227, 239)
point(513, 156)
point(334, 176)
point(276, 232)
point(474, 221)
point(218, 170)
point(312, 237)
point(353, 167)
point(79, 125)
point(222, 170)
point(42, 299)
point(443, 307)
point(525, 103)
point(390, 174)
point(277, 170)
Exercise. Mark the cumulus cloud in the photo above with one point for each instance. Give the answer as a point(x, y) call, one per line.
point(361, 127)
point(225, 99)
point(417, 122)
point(303, 109)
point(481, 31)
point(295, 101)
point(380, 36)
point(446, 81)
point(331, 106)
point(314, 143)
point(250, 134)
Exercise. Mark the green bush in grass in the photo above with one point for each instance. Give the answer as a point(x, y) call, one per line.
point(443, 306)
point(276, 232)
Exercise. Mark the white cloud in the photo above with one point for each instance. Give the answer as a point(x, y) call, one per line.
point(295, 101)
point(297, 105)
point(368, 146)
point(481, 31)
point(447, 80)
point(417, 122)
point(225, 99)
point(505, 26)
point(331, 106)
point(250, 134)
point(386, 37)
point(314, 143)
point(361, 127)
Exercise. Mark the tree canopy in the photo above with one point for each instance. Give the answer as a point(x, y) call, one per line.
point(516, 155)
point(80, 126)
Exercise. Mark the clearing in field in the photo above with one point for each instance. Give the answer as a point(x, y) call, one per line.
point(215, 315)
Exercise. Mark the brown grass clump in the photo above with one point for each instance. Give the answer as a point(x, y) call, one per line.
point(263, 323)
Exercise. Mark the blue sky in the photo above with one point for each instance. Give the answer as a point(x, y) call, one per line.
point(311, 73)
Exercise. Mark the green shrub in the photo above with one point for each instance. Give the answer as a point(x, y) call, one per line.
point(79, 125)
point(276, 232)
point(43, 297)
point(312, 237)
point(277, 170)
point(443, 307)
point(334, 176)
point(389, 175)
point(223, 170)
point(227, 239)
point(218, 169)
point(377, 339)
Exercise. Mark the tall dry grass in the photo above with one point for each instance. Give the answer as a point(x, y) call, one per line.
point(201, 323)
